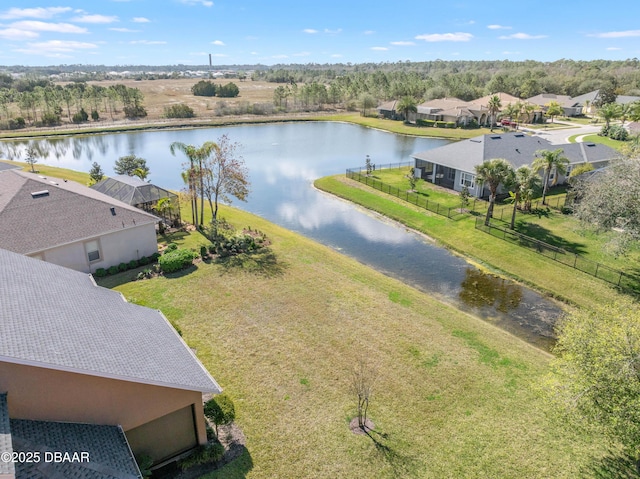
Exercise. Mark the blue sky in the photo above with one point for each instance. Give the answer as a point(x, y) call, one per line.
point(168, 32)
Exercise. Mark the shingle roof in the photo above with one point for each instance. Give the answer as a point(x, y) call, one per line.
point(68, 212)
point(131, 190)
point(54, 317)
point(543, 98)
point(109, 456)
point(6, 467)
point(519, 149)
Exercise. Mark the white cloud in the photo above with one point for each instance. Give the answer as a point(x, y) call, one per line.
point(17, 34)
point(498, 27)
point(623, 34)
point(336, 55)
point(37, 26)
point(219, 55)
point(198, 54)
point(445, 37)
point(380, 49)
point(148, 42)
point(522, 36)
point(55, 47)
point(204, 3)
point(310, 30)
point(332, 32)
point(613, 49)
point(140, 20)
point(369, 32)
point(124, 30)
point(254, 53)
point(219, 43)
point(96, 19)
point(402, 44)
point(39, 12)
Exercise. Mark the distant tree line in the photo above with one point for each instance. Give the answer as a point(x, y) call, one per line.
point(38, 102)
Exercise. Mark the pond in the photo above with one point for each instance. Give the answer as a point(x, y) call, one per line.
point(283, 161)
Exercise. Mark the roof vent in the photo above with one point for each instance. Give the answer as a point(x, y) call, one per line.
point(53, 183)
point(39, 194)
point(113, 211)
point(496, 137)
point(590, 144)
point(519, 135)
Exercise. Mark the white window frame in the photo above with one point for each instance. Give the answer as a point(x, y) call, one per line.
point(468, 180)
point(93, 246)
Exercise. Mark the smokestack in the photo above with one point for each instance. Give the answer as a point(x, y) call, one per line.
point(210, 65)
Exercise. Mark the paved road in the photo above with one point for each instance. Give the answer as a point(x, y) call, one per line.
point(561, 136)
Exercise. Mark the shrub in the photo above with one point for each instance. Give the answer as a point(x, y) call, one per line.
point(204, 251)
point(204, 88)
point(170, 247)
point(112, 270)
point(134, 111)
point(101, 272)
point(220, 410)
point(450, 124)
point(95, 116)
point(179, 111)
point(80, 117)
point(154, 257)
point(50, 119)
point(230, 90)
point(205, 454)
point(123, 267)
point(176, 260)
point(618, 132)
point(133, 264)
point(144, 261)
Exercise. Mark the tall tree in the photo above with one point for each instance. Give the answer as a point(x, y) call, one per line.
point(95, 173)
point(553, 109)
point(608, 112)
point(406, 105)
point(595, 376)
point(493, 173)
point(494, 104)
point(549, 161)
point(526, 182)
point(225, 175)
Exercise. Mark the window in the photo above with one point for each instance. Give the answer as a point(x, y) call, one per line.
point(93, 250)
point(468, 180)
point(451, 174)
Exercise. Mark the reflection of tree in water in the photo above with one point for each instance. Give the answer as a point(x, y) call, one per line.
point(81, 148)
point(480, 289)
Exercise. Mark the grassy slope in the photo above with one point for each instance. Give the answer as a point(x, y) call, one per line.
point(461, 236)
point(53, 171)
point(454, 396)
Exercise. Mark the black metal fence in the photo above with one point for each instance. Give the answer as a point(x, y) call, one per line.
point(610, 275)
point(412, 197)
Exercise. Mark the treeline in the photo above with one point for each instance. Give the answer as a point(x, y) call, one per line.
point(466, 80)
point(38, 102)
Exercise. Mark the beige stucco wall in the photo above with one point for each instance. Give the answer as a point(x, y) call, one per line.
point(49, 395)
point(115, 248)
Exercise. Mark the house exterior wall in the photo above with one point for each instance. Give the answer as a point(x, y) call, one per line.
point(115, 248)
point(50, 395)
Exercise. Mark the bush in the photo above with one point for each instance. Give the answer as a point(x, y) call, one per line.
point(80, 117)
point(204, 251)
point(101, 273)
point(133, 264)
point(450, 124)
point(204, 88)
point(134, 111)
point(95, 116)
point(179, 111)
point(176, 260)
point(206, 454)
point(220, 410)
point(113, 270)
point(230, 90)
point(50, 119)
point(123, 267)
point(143, 261)
point(171, 247)
point(154, 257)
point(618, 132)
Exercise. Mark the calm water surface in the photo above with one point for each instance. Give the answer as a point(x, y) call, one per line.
point(283, 161)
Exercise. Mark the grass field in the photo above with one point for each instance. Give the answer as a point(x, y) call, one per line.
point(453, 396)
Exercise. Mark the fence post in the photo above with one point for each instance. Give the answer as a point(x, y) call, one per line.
point(596, 273)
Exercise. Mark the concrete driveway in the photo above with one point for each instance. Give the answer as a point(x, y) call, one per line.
point(561, 136)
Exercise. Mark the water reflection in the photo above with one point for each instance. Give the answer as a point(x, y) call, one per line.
point(283, 160)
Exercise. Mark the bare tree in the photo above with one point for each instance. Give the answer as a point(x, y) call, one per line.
point(362, 380)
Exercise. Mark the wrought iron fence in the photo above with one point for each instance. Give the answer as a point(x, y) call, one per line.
point(613, 276)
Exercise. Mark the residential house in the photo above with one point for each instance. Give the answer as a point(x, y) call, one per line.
point(80, 361)
point(569, 105)
point(453, 165)
point(388, 110)
point(461, 112)
point(66, 223)
point(588, 100)
point(141, 194)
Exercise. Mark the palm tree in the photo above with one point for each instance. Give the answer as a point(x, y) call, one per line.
point(608, 112)
point(196, 156)
point(526, 182)
point(554, 109)
point(493, 173)
point(494, 105)
point(406, 105)
point(547, 161)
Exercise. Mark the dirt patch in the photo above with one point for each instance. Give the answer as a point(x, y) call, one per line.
point(356, 429)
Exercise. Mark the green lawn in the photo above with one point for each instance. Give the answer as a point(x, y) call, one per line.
point(453, 396)
point(615, 144)
point(509, 259)
point(62, 173)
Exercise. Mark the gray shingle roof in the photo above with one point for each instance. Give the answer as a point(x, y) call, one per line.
point(131, 190)
point(54, 317)
point(519, 149)
point(69, 212)
point(108, 451)
point(6, 467)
